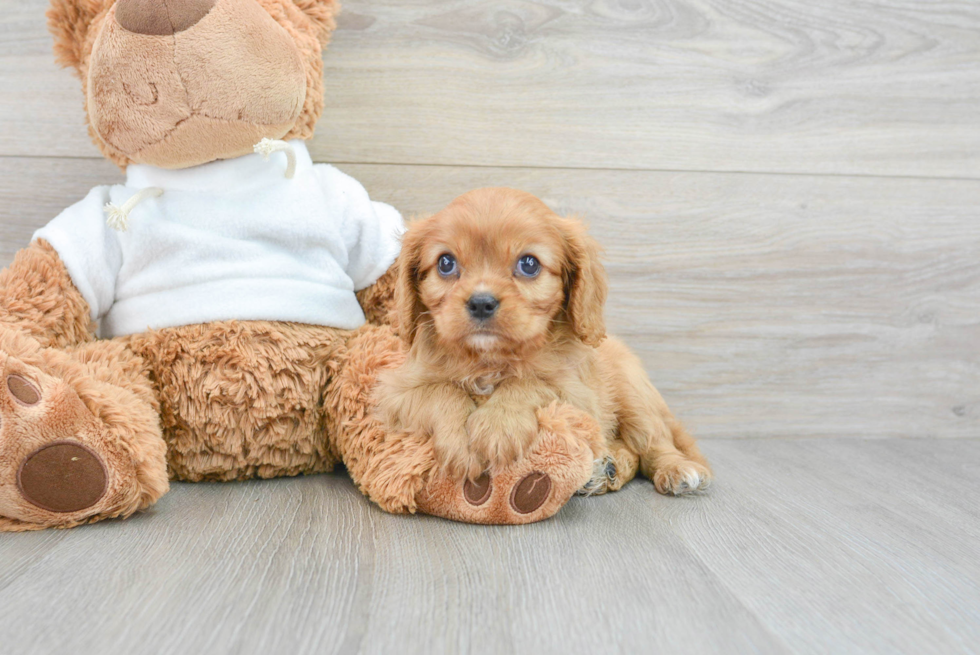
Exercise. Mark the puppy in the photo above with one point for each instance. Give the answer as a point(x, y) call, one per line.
point(501, 303)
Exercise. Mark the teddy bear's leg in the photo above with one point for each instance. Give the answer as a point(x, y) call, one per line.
point(37, 298)
point(242, 399)
point(398, 470)
point(80, 438)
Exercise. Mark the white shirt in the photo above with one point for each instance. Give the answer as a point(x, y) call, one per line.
point(231, 239)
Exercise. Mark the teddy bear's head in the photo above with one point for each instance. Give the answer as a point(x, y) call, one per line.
point(176, 83)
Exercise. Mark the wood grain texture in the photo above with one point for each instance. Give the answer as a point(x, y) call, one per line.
point(879, 87)
point(779, 306)
point(803, 546)
point(845, 546)
point(788, 306)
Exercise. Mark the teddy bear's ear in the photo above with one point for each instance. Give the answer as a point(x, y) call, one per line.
point(322, 14)
point(69, 22)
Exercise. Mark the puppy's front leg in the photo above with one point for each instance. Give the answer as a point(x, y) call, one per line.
point(504, 427)
point(439, 409)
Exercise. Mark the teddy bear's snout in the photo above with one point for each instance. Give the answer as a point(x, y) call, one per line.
point(176, 83)
point(161, 17)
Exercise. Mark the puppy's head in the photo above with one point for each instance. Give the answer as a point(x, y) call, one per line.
point(496, 272)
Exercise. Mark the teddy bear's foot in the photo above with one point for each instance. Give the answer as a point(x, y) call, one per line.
point(60, 464)
point(533, 488)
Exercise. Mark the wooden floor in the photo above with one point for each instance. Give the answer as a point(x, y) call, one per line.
point(789, 197)
point(811, 545)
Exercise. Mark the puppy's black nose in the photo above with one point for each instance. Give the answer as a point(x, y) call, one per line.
point(482, 306)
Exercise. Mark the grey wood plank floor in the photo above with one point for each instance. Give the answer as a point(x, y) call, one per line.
point(811, 545)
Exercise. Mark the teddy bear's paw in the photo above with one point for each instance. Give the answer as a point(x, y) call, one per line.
point(59, 464)
point(531, 489)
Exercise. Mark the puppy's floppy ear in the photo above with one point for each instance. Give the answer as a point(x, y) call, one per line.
point(408, 305)
point(585, 283)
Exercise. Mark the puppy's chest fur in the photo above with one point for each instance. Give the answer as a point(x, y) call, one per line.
point(573, 378)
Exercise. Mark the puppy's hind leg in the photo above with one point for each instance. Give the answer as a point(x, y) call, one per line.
point(668, 454)
point(611, 471)
point(673, 461)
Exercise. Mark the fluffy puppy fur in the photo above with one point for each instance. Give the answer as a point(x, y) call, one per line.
point(501, 303)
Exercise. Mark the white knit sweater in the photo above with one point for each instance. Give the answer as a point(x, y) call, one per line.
point(232, 239)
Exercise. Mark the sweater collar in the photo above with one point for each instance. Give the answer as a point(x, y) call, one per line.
point(223, 175)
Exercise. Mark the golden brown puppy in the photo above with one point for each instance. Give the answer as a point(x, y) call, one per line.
point(501, 303)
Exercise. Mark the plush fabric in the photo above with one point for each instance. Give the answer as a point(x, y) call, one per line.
point(231, 239)
point(142, 77)
point(96, 395)
point(242, 352)
point(38, 299)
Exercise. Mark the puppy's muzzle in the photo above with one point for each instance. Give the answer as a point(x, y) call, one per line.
point(482, 306)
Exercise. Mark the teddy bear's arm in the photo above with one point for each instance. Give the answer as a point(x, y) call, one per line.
point(378, 299)
point(38, 298)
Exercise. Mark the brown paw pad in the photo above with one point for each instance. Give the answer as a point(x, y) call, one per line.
point(23, 390)
point(476, 492)
point(531, 492)
point(62, 477)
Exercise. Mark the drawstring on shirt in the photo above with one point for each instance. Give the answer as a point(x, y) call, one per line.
point(266, 147)
point(118, 217)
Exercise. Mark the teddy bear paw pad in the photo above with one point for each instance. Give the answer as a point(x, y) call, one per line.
point(476, 492)
point(59, 476)
point(63, 476)
point(528, 495)
point(23, 390)
point(531, 492)
point(56, 467)
point(492, 499)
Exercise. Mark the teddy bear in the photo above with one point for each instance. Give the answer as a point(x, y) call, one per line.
point(224, 314)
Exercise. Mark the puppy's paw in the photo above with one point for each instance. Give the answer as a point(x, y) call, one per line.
point(681, 477)
point(500, 436)
point(603, 477)
point(454, 455)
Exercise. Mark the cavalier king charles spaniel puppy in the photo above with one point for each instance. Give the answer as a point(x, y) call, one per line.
point(501, 303)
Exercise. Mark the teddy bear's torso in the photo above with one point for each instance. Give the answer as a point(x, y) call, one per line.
point(229, 240)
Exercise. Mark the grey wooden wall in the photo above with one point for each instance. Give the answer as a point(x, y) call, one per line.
point(788, 191)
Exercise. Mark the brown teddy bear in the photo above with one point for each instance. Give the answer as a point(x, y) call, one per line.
point(241, 297)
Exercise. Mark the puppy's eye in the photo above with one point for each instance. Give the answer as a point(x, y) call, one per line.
point(528, 266)
point(446, 265)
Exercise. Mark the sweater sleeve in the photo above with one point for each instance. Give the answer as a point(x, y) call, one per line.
point(89, 250)
point(371, 230)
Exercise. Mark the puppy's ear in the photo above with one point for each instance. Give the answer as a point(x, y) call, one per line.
point(585, 283)
point(408, 305)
